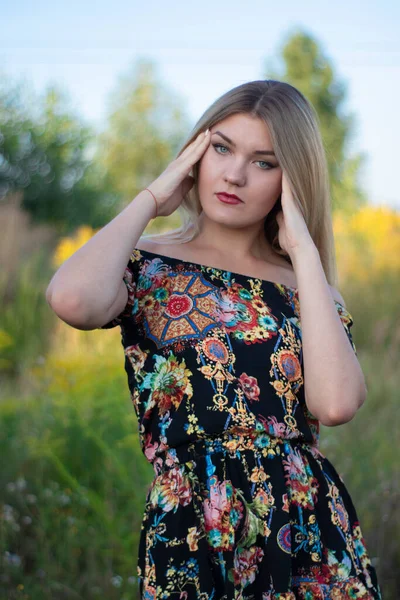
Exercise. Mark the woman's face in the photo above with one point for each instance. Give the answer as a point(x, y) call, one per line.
point(235, 168)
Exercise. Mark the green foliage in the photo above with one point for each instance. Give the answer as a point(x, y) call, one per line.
point(26, 322)
point(363, 452)
point(305, 66)
point(73, 485)
point(44, 150)
point(70, 174)
point(145, 130)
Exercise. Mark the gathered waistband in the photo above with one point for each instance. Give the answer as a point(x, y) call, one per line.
point(229, 443)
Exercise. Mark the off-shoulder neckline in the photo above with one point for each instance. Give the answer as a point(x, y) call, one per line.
point(276, 284)
point(196, 264)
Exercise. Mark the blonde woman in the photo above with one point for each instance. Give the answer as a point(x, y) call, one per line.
point(237, 345)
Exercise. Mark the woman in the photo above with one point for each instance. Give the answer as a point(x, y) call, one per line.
point(237, 345)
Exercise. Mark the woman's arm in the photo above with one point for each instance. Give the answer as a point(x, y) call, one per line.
point(334, 383)
point(87, 290)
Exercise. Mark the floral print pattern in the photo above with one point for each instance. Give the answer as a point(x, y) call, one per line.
point(243, 504)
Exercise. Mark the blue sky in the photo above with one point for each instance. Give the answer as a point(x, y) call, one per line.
point(202, 49)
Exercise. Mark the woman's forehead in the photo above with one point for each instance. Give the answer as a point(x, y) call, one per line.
point(241, 128)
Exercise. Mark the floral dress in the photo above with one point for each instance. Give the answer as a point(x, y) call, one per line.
point(243, 504)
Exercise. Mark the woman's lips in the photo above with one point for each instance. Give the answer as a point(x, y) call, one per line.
point(228, 199)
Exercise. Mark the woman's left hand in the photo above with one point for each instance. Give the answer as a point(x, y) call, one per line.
point(293, 231)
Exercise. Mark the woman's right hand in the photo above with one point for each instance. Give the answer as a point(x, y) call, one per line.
point(173, 183)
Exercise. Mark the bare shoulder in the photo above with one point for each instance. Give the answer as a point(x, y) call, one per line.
point(337, 295)
point(148, 245)
point(167, 249)
point(280, 269)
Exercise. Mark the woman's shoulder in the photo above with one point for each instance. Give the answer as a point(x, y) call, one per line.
point(190, 252)
point(180, 251)
point(283, 270)
point(149, 246)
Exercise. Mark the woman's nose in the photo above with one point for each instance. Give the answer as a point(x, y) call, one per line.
point(235, 176)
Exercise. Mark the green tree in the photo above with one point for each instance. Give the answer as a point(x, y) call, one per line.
point(45, 152)
point(305, 66)
point(145, 129)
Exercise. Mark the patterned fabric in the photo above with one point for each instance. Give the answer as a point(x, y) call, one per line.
point(243, 504)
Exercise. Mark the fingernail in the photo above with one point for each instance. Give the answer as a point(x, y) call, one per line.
point(206, 133)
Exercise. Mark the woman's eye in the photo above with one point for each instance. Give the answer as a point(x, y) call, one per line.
point(219, 146)
point(269, 165)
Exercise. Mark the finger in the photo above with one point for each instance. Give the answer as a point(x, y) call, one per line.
point(193, 144)
point(194, 152)
point(185, 152)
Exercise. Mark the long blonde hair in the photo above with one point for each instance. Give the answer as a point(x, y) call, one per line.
point(294, 129)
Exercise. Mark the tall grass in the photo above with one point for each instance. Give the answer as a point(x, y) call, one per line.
point(364, 451)
point(26, 323)
point(74, 482)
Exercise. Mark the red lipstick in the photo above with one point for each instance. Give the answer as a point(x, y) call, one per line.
point(228, 198)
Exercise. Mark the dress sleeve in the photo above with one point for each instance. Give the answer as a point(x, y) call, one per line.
point(129, 279)
point(347, 322)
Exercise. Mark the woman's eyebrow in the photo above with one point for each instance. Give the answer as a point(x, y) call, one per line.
point(234, 145)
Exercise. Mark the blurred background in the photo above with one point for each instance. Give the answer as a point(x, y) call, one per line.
point(95, 101)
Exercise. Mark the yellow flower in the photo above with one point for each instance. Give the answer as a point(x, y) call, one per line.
point(367, 243)
point(67, 246)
